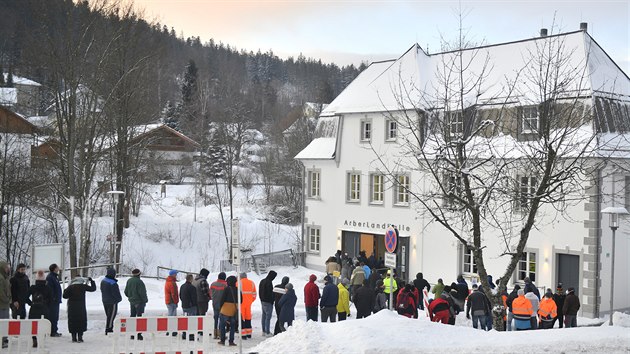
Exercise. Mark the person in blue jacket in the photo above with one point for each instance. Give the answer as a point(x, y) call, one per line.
point(110, 293)
point(52, 282)
point(287, 307)
point(329, 300)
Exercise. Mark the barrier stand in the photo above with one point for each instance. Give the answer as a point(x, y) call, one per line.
point(425, 299)
point(22, 332)
point(154, 331)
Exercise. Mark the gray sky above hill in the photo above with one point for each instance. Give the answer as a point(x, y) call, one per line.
point(350, 31)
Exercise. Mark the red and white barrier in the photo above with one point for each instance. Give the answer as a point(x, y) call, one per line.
point(21, 332)
point(426, 301)
point(154, 331)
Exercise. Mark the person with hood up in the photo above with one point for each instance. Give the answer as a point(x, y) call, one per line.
point(19, 292)
point(420, 283)
point(202, 288)
point(343, 303)
point(52, 282)
point(363, 300)
point(5, 296)
point(311, 298)
point(447, 295)
point(278, 291)
point(570, 308)
point(530, 286)
point(480, 305)
point(287, 307)
point(380, 300)
point(559, 298)
point(110, 294)
point(77, 314)
point(217, 288)
point(40, 296)
point(171, 295)
point(386, 285)
point(248, 289)
point(330, 298)
point(265, 287)
point(490, 282)
point(229, 310)
point(438, 288)
point(533, 299)
point(188, 297)
point(406, 303)
point(510, 315)
point(522, 309)
point(547, 311)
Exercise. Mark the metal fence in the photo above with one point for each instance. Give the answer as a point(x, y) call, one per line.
point(260, 263)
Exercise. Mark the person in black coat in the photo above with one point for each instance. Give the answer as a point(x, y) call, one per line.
point(287, 307)
point(110, 294)
point(188, 296)
point(40, 299)
point(559, 298)
point(77, 314)
point(278, 291)
point(513, 295)
point(52, 282)
point(265, 289)
point(19, 292)
point(363, 300)
point(229, 310)
point(420, 283)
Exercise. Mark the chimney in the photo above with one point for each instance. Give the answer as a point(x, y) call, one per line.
point(543, 32)
point(583, 26)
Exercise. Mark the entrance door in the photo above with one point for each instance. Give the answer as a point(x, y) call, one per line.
point(367, 244)
point(351, 243)
point(569, 271)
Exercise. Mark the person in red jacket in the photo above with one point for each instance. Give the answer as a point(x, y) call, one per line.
point(406, 303)
point(439, 310)
point(171, 295)
point(311, 298)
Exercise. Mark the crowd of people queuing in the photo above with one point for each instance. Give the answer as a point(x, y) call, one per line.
point(368, 283)
point(363, 281)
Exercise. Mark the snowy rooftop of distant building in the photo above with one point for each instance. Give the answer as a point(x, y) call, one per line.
point(18, 80)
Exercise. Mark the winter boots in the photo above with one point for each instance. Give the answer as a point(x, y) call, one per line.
point(216, 333)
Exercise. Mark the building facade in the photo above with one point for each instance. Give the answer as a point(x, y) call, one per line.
point(361, 174)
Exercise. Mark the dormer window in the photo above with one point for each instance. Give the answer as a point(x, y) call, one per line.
point(455, 124)
point(529, 120)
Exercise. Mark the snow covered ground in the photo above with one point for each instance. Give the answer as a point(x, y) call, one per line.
point(384, 332)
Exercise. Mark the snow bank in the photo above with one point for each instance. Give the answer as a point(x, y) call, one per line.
point(621, 319)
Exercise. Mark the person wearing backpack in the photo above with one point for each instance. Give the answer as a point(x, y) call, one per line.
point(380, 299)
point(406, 303)
point(229, 310)
point(40, 296)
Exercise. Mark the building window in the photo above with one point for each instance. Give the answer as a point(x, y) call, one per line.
point(469, 261)
point(314, 233)
point(455, 124)
point(376, 188)
point(526, 190)
point(391, 130)
point(401, 192)
point(366, 130)
point(529, 120)
point(354, 187)
point(526, 267)
point(314, 183)
point(453, 185)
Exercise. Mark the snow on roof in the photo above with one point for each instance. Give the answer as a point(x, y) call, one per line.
point(324, 146)
point(17, 80)
point(417, 80)
point(8, 96)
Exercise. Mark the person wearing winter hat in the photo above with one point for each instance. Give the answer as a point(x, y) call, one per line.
point(570, 308)
point(287, 307)
point(248, 288)
point(330, 298)
point(547, 310)
point(380, 299)
point(559, 298)
point(40, 296)
point(311, 298)
point(217, 288)
point(52, 282)
point(171, 295)
point(343, 302)
point(136, 293)
point(19, 292)
point(278, 291)
point(531, 296)
point(511, 297)
point(202, 289)
point(77, 313)
point(229, 310)
point(265, 287)
point(110, 294)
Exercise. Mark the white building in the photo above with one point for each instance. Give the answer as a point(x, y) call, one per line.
point(359, 176)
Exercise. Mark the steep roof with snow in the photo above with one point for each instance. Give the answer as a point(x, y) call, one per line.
point(324, 144)
point(418, 80)
point(17, 80)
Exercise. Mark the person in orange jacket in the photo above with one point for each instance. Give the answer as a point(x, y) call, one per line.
point(171, 295)
point(547, 311)
point(248, 290)
point(522, 310)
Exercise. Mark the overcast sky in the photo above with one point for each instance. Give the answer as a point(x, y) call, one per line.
point(351, 31)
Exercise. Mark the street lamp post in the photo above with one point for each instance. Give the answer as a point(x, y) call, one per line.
point(613, 213)
point(114, 238)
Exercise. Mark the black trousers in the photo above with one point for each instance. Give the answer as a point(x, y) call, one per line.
point(110, 311)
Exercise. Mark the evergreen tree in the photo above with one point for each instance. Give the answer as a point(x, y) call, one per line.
point(189, 86)
point(169, 116)
point(9, 82)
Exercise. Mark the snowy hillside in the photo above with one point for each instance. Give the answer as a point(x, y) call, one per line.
point(165, 233)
